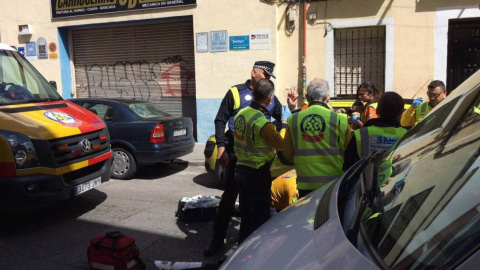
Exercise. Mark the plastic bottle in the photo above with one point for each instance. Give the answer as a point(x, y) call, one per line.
point(163, 265)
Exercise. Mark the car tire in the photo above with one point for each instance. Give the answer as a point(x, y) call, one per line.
point(124, 165)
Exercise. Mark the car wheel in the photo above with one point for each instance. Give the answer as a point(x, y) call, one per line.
point(124, 165)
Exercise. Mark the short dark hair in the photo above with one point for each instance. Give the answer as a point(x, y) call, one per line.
point(436, 83)
point(370, 87)
point(390, 106)
point(263, 89)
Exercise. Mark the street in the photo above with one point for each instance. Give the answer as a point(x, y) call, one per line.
point(57, 237)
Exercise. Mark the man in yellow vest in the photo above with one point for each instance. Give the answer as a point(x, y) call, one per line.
point(377, 133)
point(436, 93)
point(316, 139)
point(255, 141)
point(237, 98)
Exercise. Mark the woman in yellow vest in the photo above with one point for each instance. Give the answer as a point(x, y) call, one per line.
point(379, 133)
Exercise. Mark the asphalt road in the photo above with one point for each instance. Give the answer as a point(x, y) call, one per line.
point(57, 237)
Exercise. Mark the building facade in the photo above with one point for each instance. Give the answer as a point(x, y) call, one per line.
point(185, 54)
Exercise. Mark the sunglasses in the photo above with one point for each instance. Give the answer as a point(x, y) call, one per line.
point(434, 94)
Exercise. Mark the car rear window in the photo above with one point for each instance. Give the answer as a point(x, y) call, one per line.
point(147, 110)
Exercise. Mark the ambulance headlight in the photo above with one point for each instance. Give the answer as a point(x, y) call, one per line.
point(23, 151)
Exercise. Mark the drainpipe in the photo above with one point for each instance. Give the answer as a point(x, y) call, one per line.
point(304, 57)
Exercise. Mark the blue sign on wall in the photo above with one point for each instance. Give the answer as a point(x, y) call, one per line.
point(238, 43)
point(21, 50)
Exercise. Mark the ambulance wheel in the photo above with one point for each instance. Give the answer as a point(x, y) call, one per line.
point(124, 165)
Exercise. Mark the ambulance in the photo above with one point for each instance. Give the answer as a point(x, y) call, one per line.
point(50, 148)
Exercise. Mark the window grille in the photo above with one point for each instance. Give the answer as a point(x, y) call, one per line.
point(359, 55)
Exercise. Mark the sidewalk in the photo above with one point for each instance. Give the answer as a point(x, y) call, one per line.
point(196, 158)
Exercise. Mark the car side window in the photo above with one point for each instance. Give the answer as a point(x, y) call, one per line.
point(103, 111)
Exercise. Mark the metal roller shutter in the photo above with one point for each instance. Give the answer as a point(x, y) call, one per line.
point(152, 61)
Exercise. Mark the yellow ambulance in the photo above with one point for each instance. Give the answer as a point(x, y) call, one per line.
point(50, 148)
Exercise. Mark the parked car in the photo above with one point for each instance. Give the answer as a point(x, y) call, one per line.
point(414, 207)
point(141, 133)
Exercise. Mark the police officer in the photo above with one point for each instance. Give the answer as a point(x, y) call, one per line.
point(377, 133)
point(316, 139)
point(237, 98)
point(436, 93)
point(255, 142)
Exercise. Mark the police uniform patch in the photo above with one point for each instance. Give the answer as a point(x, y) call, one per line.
point(313, 128)
point(248, 97)
point(62, 118)
point(239, 127)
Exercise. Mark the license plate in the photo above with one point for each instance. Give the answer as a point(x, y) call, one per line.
point(87, 186)
point(179, 132)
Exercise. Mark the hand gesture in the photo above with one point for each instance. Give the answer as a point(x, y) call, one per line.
point(292, 97)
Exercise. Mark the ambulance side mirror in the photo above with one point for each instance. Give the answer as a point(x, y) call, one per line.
point(54, 84)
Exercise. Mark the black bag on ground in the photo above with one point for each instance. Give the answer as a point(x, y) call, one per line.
point(195, 212)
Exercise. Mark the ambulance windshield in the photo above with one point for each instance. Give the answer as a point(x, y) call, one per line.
point(20, 82)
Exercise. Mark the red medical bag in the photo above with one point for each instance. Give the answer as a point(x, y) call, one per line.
point(115, 251)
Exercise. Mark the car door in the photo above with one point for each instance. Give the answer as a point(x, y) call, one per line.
point(106, 112)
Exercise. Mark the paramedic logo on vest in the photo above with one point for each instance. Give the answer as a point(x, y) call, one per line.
point(312, 128)
point(239, 127)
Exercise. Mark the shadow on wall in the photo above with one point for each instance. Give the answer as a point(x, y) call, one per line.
point(433, 5)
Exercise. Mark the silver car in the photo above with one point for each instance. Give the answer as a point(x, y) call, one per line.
point(415, 207)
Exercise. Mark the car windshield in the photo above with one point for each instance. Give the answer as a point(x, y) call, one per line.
point(20, 82)
point(427, 213)
point(147, 110)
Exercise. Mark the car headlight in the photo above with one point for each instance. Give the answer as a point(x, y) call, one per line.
point(23, 150)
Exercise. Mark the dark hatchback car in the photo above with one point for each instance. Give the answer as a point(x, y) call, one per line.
point(141, 133)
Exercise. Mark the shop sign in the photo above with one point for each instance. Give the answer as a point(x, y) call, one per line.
point(69, 8)
point(260, 39)
point(238, 43)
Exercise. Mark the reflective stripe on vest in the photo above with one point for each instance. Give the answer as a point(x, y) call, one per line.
point(251, 150)
point(375, 138)
point(421, 111)
point(318, 136)
point(236, 97)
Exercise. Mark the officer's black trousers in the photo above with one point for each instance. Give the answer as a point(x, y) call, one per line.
point(227, 203)
point(255, 199)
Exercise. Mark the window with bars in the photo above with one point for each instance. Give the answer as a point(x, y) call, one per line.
point(359, 55)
